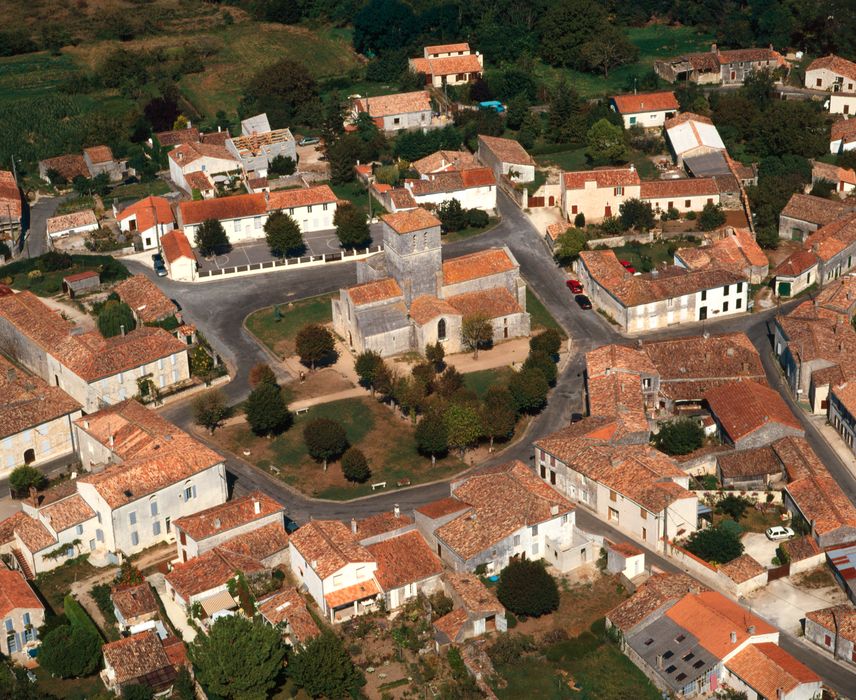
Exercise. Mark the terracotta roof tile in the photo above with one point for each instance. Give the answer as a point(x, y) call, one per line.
point(377, 290)
point(477, 177)
point(832, 173)
point(451, 624)
point(178, 136)
point(197, 180)
point(68, 166)
point(148, 212)
point(330, 544)
point(301, 197)
point(145, 298)
point(15, 593)
point(815, 210)
point(31, 532)
point(209, 570)
point(842, 617)
point(682, 187)
point(288, 606)
point(10, 196)
point(442, 507)
point(834, 64)
point(135, 657)
point(380, 523)
point(491, 303)
point(426, 308)
point(186, 153)
point(66, 222)
point(684, 117)
point(743, 407)
point(99, 154)
point(410, 221)
point(175, 245)
point(222, 208)
point(476, 597)
point(801, 548)
point(742, 568)
point(606, 177)
point(229, 515)
point(351, 594)
point(403, 560)
point(67, 513)
point(26, 401)
point(646, 102)
point(449, 65)
point(484, 263)
point(134, 600)
point(443, 161)
point(843, 129)
point(769, 670)
point(506, 150)
point(260, 544)
point(399, 103)
point(462, 46)
point(755, 463)
point(656, 592)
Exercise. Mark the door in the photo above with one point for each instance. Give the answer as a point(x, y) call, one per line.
point(607, 211)
point(29, 456)
point(702, 313)
point(784, 289)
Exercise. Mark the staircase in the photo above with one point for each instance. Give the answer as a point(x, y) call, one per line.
point(22, 564)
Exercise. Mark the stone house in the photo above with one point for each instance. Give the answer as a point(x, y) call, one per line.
point(287, 610)
point(409, 296)
point(843, 103)
point(134, 605)
point(179, 257)
point(683, 194)
point(73, 224)
point(731, 248)
point(10, 209)
point(21, 615)
point(403, 111)
point(650, 110)
point(406, 566)
point(148, 303)
point(99, 160)
point(661, 298)
point(444, 161)
point(35, 419)
point(474, 188)
point(242, 216)
point(833, 247)
point(67, 167)
point(502, 514)
point(95, 371)
point(258, 145)
point(211, 159)
point(834, 629)
point(843, 179)
point(831, 73)
point(749, 414)
point(149, 218)
point(755, 468)
point(477, 610)
point(796, 273)
point(805, 213)
point(506, 157)
point(842, 411)
point(715, 67)
point(448, 64)
point(140, 659)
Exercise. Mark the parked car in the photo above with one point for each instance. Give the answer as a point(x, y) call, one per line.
point(157, 258)
point(160, 268)
point(576, 417)
point(495, 105)
point(582, 301)
point(779, 532)
point(627, 266)
point(574, 286)
point(309, 141)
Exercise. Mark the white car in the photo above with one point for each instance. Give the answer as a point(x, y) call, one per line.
point(779, 533)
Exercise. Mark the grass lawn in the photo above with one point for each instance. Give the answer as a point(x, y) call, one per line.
point(541, 318)
point(481, 381)
point(50, 283)
point(70, 688)
point(470, 231)
point(656, 253)
point(76, 203)
point(139, 190)
point(55, 584)
point(571, 159)
point(278, 336)
point(754, 520)
point(385, 439)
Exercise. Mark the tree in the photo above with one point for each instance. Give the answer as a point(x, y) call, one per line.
point(209, 409)
point(239, 658)
point(569, 245)
point(314, 343)
point(566, 26)
point(322, 667)
point(715, 544)
point(609, 48)
point(530, 130)
point(526, 588)
point(25, 477)
point(463, 426)
point(452, 216)
point(679, 437)
point(262, 374)
point(342, 155)
point(267, 412)
point(352, 228)
point(549, 342)
point(544, 364)
point(432, 436)
point(285, 91)
point(518, 106)
point(635, 213)
point(211, 237)
point(605, 143)
point(115, 318)
point(476, 332)
point(325, 439)
point(283, 235)
point(435, 353)
point(282, 165)
point(734, 506)
point(767, 237)
point(137, 691)
point(711, 217)
point(498, 414)
point(409, 393)
point(70, 651)
point(366, 366)
point(355, 467)
point(529, 389)
point(449, 383)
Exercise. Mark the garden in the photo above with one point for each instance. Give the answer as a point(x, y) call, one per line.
point(43, 275)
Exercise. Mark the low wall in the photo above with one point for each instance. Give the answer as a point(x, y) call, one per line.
point(745, 587)
point(757, 495)
point(618, 241)
point(803, 565)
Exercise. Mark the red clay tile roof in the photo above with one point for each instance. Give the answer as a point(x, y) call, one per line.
point(687, 117)
point(301, 197)
point(626, 549)
point(646, 102)
point(99, 154)
point(449, 181)
point(380, 523)
point(842, 617)
point(145, 298)
point(832, 173)
point(260, 543)
point(742, 568)
point(209, 570)
point(796, 263)
point(66, 222)
point(768, 670)
point(801, 548)
point(490, 303)
point(441, 508)
point(656, 592)
point(186, 153)
point(377, 290)
point(410, 221)
point(476, 597)
point(148, 211)
point(10, 196)
point(444, 161)
point(844, 129)
point(834, 64)
point(506, 150)
point(449, 65)
point(399, 103)
point(175, 245)
point(483, 263)
point(682, 187)
point(67, 513)
point(758, 462)
point(129, 429)
point(831, 239)
point(197, 180)
point(31, 532)
point(350, 594)
point(288, 606)
point(403, 560)
point(134, 600)
point(450, 624)
point(477, 177)
point(605, 177)
point(222, 208)
point(135, 657)
point(229, 515)
point(26, 401)
point(815, 210)
point(15, 593)
point(68, 166)
point(846, 395)
point(330, 544)
point(448, 48)
point(741, 408)
point(426, 308)
point(178, 136)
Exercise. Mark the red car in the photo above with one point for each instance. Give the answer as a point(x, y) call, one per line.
point(574, 286)
point(627, 266)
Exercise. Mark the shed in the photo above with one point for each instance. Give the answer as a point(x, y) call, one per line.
point(843, 563)
point(625, 558)
point(80, 282)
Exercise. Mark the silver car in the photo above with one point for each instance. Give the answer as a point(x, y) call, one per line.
point(778, 532)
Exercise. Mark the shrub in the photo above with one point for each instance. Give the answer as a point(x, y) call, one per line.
point(679, 437)
point(734, 506)
point(262, 374)
point(529, 389)
point(53, 261)
point(526, 588)
point(476, 218)
point(715, 544)
point(70, 651)
point(24, 477)
point(441, 605)
point(580, 220)
point(115, 318)
point(355, 467)
point(544, 364)
point(509, 648)
point(549, 342)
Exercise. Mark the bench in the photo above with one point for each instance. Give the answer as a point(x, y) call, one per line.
point(379, 485)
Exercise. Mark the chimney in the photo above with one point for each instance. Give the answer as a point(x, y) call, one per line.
point(705, 335)
point(554, 510)
point(714, 48)
point(257, 506)
point(396, 511)
point(733, 637)
point(219, 129)
point(660, 661)
point(751, 629)
point(217, 523)
point(745, 366)
point(122, 330)
point(780, 693)
point(86, 424)
point(354, 525)
point(632, 168)
point(314, 564)
point(34, 498)
point(11, 374)
point(111, 440)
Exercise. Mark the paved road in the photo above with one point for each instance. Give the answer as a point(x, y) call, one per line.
point(35, 243)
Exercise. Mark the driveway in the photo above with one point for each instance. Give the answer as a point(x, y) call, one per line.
point(785, 605)
point(759, 548)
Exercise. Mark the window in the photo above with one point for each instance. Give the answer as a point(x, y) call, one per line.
point(670, 205)
point(739, 287)
point(725, 290)
point(99, 535)
point(552, 477)
point(543, 472)
point(574, 209)
point(79, 530)
point(613, 496)
point(534, 549)
point(827, 640)
point(12, 642)
point(704, 295)
point(534, 530)
point(135, 539)
point(613, 515)
point(361, 572)
point(644, 533)
point(739, 304)
point(153, 506)
point(308, 210)
point(688, 203)
point(337, 580)
point(643, 513)
point(564, 520)
point(517, 540)
point(26, 618)
point(156, 529)
point(632, 120)
point(618, 191)
point(819, 82)
point(324, 207)
point(396, 120)
point(69, 553)
point(441, 329)
point(724, 306)
point(132, 517)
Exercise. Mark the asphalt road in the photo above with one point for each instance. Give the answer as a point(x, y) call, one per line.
point(35, 243)
point(219, 310)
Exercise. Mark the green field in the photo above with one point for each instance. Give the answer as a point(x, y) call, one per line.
point(278, 335)
point(540, 317)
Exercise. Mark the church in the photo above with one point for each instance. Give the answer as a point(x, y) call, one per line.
point(408, 297)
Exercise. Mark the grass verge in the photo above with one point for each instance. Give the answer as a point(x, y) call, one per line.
point(541, 318)
point(278, 335)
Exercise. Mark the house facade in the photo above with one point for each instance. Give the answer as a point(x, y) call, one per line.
point(598, 194)
point(211, 159)
point(474, 188)
point(805, 213)
point(21, 615)
point(258, 145)
point(834, 629)
point(842, 412)
point(506, 157)
point(10, 209)
point(842, 134)
point(647, 110)
point(843, 103)
point(71, 224)
point(313, 208)
point(717, 67)
point(178, 257)
point(832, 74)
point(150, 219)
point(448, 64)
point(404, 111)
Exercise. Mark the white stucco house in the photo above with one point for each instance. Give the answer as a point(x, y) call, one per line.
point(650, 110)
point(243, 216)
point(150, 219)
point(597, 194)
point(178, 257)
point(506, 157)
point(313, 208)
point(448, 64)
point(831, 73)
point(474, 188)
point(398, 112)
point(208, 158)
point(72, 224)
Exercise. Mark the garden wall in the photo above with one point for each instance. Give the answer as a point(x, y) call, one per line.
point(618, 241)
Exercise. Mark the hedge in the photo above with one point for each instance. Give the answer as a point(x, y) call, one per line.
point(77, 616)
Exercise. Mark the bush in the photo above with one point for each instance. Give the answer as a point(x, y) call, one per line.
point(441, 605)
point(734, 506)
point(526, 588)
point(52, 261)
point(679, 437)
point(24, 477)
point(262, 374)
point(529, 389)
point(509, 648)
point(715, 544)
point(580, 220)
point(115, 318)
point(543, 363)
point(70, 651)
point(355, 467)
point(476, 218)
point(548, 342)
